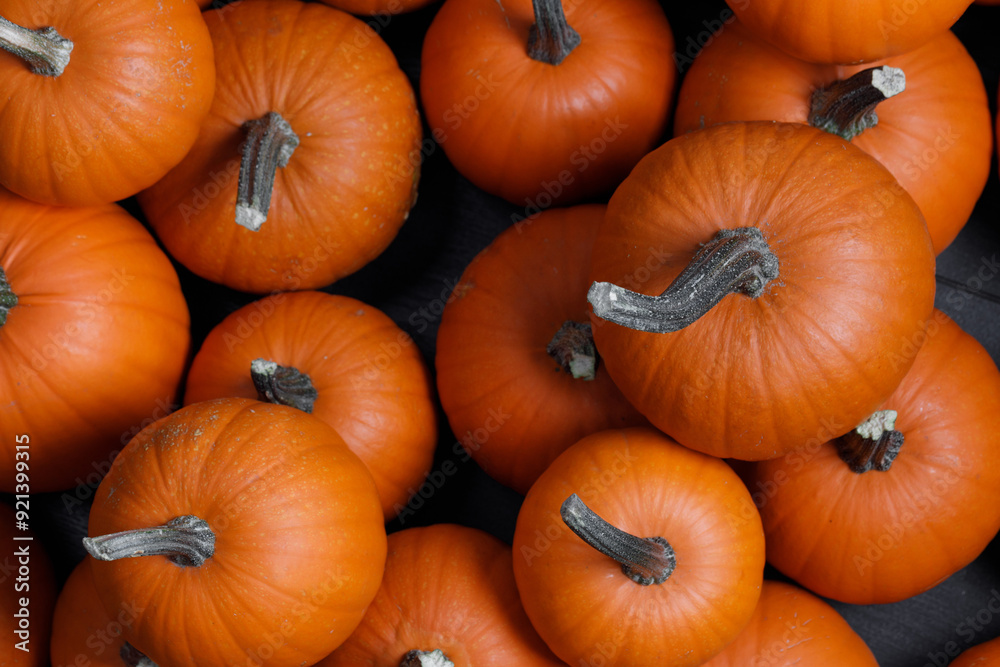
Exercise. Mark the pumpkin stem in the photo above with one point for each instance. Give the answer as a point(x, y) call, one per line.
point(133, 657)
point(187, 540)
point(44, 50)
point(644, 560)
point(433, 658)
point(282, 385)
point(7, 298)
point(736, 260)
point(847, 107)
point(573, 349)
point(551, 38)
point(873, 445)
point(270, 144)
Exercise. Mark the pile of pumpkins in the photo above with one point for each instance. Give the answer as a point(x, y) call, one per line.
point(734, 360)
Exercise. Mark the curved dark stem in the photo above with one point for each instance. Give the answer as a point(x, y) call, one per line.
point(269, 145)
point(7, 298)
point(45, 51)
point(282, 385)
point(186, 540)
point(736, 260)
point(644, 560)
point(873, 445)
point(133, 657)
point(551, 38)
point(573, 349)
point(435, 658)
point(847, 107)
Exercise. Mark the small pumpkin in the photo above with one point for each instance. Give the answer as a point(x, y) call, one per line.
point(292, 183)
point(94, 337)
point(261, 534)
point(447, 599)
point(831, 268)
point(933, 132)
point(635, 551)
point(541, 104)
point(99, 100)
point(792, 627)
point(27, 590)
point(515, 343)
point(982, 655)
point(909, 497)
point(339, 359)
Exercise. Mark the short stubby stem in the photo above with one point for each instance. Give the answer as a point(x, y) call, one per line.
point(435, 658)
point(283, 385)
point(873, 445)
point(186, 540)
point(7, 298)
point(269, 146)
point(133, 657)
point(644, 560)
point(573, 349)
point(736, 260)
point(847, 107)
point(45, 51)
point(551, 38)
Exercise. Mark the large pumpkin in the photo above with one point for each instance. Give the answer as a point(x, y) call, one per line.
point(342, 360)
point(261, 532)
point(832, 270)
point(517, 371)
point(909, 497)
point(94, 337)
point(634, 551)
point(308, 163)
point(102, 98)
point(935, 136)
point(448, 599)
point(538, 105)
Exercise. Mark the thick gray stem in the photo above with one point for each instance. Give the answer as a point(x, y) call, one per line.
point(551, 38)
point(269, 145)
point(847, 107)
point(44, 50)
point(187, 540)
point(283, 385)
point(573, 349)
point(7, 298)
point(736, 260)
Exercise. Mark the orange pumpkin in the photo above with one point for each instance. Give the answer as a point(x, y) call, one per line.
point(883, 513)
point(28, 590)
point(515, 343)
point(94, 337)
point(345, 362)
point(538, 105)
point(99, 100)
point(291, 184)
point(935, 137)
point(830, 263)
point(983, 655)
point(660, 563)
point(261, 531)
point(448, 599)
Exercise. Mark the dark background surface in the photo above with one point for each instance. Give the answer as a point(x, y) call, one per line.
point(453, 221)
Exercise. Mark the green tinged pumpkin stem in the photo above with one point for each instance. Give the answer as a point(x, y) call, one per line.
point(573, 349)
point(282, 385)
point(269, 145)
point(847, 107)
point(873, 445)
point(551, 38)
point(44, 50)
point(736, 260)
point(644, 560)
point(7, 298)
point(133, 657)
point(435, 658)
point(186, 540)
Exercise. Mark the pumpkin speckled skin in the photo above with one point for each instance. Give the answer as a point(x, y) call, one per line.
point(491, 349)
point(82, 627)
point(348, 186)
point(373, 386)
point(792, 627)
point(449, 588)
point(513, 125)
point(884, 536)
point(299, 539)
point(755, 378)
point(935, 137)
point(96, 345)
point(834, 32)
point(126, 109)
point(986, 654)
point(644, 483)
point(41, 594)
